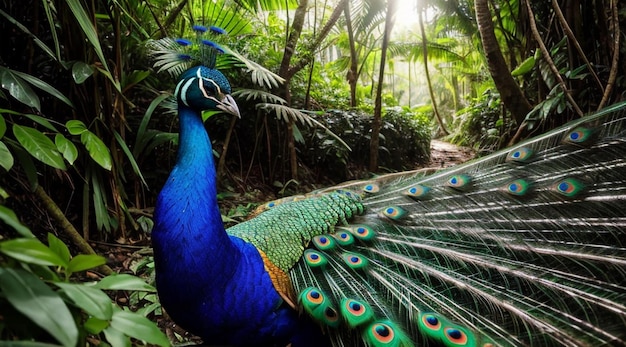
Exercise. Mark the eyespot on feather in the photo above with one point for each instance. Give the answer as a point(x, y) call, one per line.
point(520, 155)
point(354, 261)
point(580, 135)
point(418, 191)
point(361, 232)
point(459, 182)
point(393, 212)
point(314, 258)
point(324, 242)
point(385, 333)
point(569, 187)
point(519, 187)
point(355, 312)
point(344, 238)
point(371, 188)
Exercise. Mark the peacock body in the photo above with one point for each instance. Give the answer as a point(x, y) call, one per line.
point(522, 247)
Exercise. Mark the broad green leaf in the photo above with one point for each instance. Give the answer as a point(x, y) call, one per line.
point(45, 87)
point(92, 300)
point(30, 250)
point(84, 262)
point(138, 327)
point(67, 148)
point(124, 282)
point(42, 121)
point(116, 338)
point(524, 67)
point(6, 158)
point(18, 88)
point(94, 325)
point(35, 300)
point(75, 127)
point(98, 151)
point(59, 248)
point(81, 71)
point(9, 218)
point(129, 155)
point(39, 146)
point(3, 126)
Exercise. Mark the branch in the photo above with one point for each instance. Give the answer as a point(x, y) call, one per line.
point(546, 56)
point(69, 230)
point(614, 63)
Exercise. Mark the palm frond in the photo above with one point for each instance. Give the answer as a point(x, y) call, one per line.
point(255, 94)
point(259, 74)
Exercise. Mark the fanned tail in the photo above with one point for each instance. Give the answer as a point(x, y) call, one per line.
point(522, 247)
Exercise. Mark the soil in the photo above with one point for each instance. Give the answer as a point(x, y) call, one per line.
point(444, 154)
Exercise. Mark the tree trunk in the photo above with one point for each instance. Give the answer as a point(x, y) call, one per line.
point(433, 101)
point(352, 75)
point(376, 122)
point(510, 92)
point(290, 47)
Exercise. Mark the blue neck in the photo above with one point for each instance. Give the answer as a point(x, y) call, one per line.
point(188, 225)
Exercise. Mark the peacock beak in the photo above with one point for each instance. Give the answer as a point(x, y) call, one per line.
point(229, 105)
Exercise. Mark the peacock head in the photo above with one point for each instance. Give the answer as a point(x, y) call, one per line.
point(202, 88)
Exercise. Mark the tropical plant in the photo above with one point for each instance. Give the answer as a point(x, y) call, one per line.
point(41, 302)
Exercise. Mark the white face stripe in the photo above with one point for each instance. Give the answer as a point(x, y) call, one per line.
point(182, 90)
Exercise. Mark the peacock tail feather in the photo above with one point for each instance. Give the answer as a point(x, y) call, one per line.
point(522, 247)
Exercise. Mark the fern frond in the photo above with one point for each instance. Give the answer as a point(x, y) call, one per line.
point(255, 94)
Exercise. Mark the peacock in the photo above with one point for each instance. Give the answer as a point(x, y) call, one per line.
point(526, 246)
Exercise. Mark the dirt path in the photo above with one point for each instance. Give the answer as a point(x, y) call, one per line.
point(444, 154)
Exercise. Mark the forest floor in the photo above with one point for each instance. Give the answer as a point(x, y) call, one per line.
point(444, 154)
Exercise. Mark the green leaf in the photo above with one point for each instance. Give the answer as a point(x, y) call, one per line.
point(116, 338)
point(19, 89)
point(129, 155)
point(81, 71)
point(98, 151)
point(45, 87)
point(30, 250)
point(42, 121)
point(92, 300)
point(6, 158)
point(39, 146)
point(3, 126)
point(524, 67)
point(138, 327)
point(35, 300)
point(67, 148)
point(94, 325)
point(9, 218)
point(75, 127)
point(124, 282)
point(84, 262)
point(59, 248)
